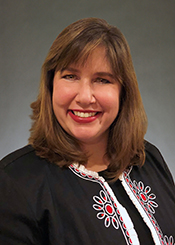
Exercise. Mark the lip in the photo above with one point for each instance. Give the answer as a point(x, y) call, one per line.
point(79, 119)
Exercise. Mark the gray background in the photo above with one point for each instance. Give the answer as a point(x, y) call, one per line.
point(27, 30)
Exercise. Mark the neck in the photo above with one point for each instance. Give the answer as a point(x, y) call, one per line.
point(97, 160)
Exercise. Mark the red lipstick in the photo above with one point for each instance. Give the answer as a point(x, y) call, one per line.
point(79, 119)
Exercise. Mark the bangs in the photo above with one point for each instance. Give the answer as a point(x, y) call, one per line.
point(76, 53)
point(75, 44)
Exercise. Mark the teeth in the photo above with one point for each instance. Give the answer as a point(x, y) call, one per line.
point(86, 114)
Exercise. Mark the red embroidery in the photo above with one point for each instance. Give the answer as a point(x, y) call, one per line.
point(106, 210)
point(143, 195)
point(146, 199)
point(104, 204)
point(168, 241)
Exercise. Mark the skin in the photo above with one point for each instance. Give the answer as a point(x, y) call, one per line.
point(86, 102)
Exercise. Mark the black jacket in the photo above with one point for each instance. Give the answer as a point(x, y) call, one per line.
point(41, 203)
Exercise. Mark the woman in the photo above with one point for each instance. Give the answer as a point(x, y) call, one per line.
point(87, 175)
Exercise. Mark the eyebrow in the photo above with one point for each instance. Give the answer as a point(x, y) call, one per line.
point(69, 69)
point(97, 73)
point(105, 74)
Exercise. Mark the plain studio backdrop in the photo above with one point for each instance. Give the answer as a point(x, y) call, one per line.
point(27, 30)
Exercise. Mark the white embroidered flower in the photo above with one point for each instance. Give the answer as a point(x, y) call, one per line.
point(143, 194)
point(105, 210)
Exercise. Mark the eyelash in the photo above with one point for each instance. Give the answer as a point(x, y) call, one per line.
point(102, 80)
point(69, 76)
point(74, 77)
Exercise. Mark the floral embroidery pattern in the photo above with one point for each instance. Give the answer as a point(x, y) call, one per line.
point(143, 194)
point(106, 211)
point(105, 204)
point(147, 200)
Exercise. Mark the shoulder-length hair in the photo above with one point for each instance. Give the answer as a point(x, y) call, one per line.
point(126, 135)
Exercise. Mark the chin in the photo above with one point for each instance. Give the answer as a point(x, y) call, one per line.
point(88, 139)
point(85, 139)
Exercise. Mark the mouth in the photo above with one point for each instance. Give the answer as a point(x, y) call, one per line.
point(84, 114)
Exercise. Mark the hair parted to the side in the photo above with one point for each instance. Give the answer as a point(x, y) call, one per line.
point(126, 137)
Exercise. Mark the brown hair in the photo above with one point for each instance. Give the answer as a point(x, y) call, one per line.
point(126, 137)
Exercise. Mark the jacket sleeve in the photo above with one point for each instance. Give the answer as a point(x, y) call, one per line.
point(17, 222)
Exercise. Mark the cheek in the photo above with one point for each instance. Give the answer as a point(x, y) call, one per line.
point(110, 100)
point(61, 96)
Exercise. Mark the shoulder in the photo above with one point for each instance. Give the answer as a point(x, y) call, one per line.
point(155, 161)
point(21, 153)
point(152, 150)
point(28, 177)
point(24, 193)
point(23, 163)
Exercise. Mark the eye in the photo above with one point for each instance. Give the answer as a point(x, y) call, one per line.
point(70, 77)
point(102, 80)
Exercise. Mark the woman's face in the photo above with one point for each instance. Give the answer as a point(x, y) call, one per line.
point(86, 98)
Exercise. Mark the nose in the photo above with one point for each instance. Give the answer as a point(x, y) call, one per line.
point(85, 93)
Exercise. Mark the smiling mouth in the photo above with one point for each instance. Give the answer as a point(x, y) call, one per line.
point(84, 114)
